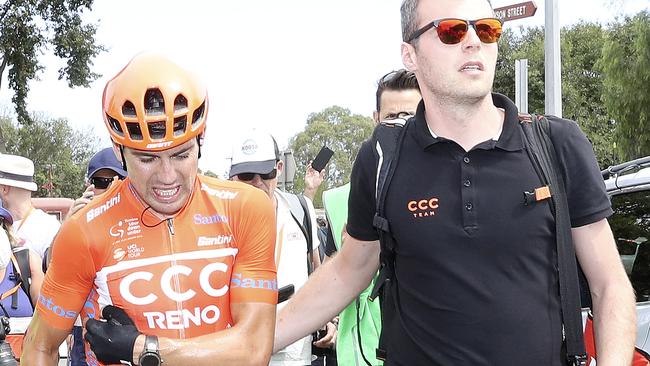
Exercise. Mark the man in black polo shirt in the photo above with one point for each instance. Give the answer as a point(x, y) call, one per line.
point(475, 268)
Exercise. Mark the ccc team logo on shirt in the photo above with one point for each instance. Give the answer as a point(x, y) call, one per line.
point(423, 207)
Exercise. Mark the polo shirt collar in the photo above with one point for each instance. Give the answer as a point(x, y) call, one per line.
point(510, 138)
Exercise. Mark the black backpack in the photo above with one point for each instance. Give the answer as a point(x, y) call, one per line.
point(387, 140)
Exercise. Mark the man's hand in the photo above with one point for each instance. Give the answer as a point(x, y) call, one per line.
point(80, 202)
point(313, 180)
point(329, 340)
point(112, 340)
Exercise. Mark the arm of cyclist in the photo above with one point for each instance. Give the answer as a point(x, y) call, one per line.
point(41, 344)
point(249, 341)
point(339, 281)
point(611, 292)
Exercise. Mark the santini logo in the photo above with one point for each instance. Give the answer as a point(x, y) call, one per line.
point(423, 208)
point(205, 241)
point(239, 281)
point(95, 212)
point(206, 220)
point(219, 193)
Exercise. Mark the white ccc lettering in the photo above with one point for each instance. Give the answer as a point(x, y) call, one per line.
point(166, 284)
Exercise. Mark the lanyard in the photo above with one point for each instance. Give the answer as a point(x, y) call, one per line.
point(25, 218)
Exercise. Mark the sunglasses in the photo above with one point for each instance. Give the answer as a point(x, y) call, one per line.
point(101, 182)
point(245, 177)
point(452, 31)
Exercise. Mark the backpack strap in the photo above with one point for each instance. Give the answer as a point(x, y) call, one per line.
point(22, 276)
point(300, 213)
point(540, 150)
point(387, 138)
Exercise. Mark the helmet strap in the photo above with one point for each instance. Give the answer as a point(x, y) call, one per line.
point(123, 160)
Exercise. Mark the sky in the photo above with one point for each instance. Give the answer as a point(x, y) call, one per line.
point(267, 64)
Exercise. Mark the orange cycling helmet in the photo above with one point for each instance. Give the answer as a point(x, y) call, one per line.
point(153, 104)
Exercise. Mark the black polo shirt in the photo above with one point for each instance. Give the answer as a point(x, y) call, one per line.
point(476, 268)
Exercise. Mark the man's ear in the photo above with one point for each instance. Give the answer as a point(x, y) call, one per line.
point(409, 57)
point(375, 116)
point(280, 167)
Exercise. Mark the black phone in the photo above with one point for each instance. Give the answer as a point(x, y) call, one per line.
point(322, 158)
point(285, 292)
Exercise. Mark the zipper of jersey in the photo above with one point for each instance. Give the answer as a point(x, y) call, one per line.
point(177, 284)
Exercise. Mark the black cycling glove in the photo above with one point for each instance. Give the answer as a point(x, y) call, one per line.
point(112, 340)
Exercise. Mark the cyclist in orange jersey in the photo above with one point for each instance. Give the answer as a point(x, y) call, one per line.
point(166, 266)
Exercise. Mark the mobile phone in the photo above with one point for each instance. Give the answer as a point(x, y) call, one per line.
point(322, 158)
point(285, 292)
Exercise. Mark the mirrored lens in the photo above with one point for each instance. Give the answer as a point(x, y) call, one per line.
point(488, 30)
point(451, 31)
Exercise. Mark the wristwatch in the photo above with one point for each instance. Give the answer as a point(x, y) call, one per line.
point(151, 355)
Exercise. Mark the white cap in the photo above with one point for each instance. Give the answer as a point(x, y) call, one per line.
point(256, 152)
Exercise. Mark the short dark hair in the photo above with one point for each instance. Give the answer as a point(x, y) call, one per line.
point(396, 80)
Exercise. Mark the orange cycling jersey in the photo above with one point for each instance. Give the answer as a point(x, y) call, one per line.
point(174, 277)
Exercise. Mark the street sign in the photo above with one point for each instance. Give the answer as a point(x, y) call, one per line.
point(516, 11)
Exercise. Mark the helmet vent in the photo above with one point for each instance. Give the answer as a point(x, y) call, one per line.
point(157, 129)
point(180, 103)
point(198, 114)
point(115, 125)
point(128, 110)
point(179, 125)
point(134, 131)
point(154, 103)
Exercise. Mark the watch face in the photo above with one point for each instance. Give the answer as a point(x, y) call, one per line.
point(149, 359)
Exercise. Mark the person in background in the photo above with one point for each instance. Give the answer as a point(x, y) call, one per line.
point(34, 228)
point(102, 170)
point(256, 161)
point(18, 290)
point(397, 96)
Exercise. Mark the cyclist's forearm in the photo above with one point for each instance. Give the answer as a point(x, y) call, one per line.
point(227, 347)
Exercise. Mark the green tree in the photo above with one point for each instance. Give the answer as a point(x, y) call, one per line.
point(624, 63)
point(341, 131)
point(59, 153)
point(29, 27)
point(582, 82)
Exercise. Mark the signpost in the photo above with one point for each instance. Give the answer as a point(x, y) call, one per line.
point(552, 66)
point(516, 11)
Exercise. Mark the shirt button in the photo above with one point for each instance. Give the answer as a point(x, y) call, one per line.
point(467, 183)
point(469, 206)
point(466, 160)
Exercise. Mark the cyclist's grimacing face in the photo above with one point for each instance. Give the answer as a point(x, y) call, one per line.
point(164, 179)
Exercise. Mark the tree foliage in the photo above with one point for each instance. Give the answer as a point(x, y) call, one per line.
point(29, 27)
point(341, 131)
point(59, 153)
point(625, 60)
point(582, 81)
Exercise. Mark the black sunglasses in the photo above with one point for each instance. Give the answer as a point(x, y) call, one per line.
point(101, 182)
point(245, 177)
